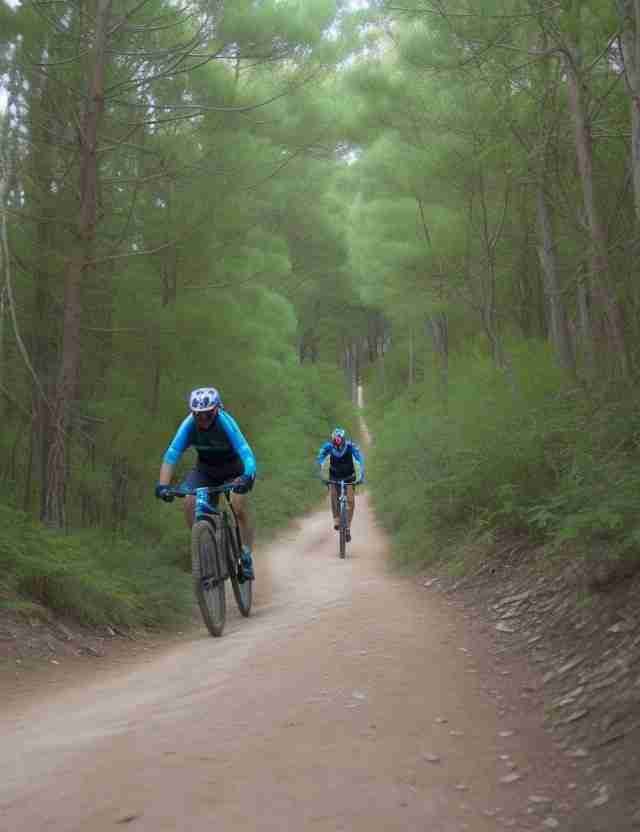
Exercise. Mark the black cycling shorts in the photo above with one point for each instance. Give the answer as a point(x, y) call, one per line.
point(205, 476)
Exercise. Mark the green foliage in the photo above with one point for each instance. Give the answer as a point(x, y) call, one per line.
point(600, 478)
point(267, 23)
point(455, 133)
point(247, 235)
point(94, 578)
point(506, 450)
point(219, 248)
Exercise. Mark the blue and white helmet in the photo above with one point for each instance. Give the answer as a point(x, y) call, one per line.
point(339, 441)
point(203, 399)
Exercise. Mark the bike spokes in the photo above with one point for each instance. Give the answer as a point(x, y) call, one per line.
point(208, 578)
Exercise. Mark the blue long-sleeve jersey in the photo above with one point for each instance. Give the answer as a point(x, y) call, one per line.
point(221, 444)
point(341, 464)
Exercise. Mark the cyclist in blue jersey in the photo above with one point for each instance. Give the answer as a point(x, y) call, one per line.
point(223, 455)
point(345, 458)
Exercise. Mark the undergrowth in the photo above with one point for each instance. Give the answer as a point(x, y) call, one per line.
point(525, 450)
point(89, 577)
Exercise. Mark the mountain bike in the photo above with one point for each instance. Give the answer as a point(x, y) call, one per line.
point(343, 523)
point(216, 548)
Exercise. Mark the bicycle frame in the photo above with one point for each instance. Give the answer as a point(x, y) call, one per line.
point(342, 497)
point(342, 511)
point(205, 509)
point(216, 547)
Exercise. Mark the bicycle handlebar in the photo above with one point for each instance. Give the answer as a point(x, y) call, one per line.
point(339, 482)
point(190, 492)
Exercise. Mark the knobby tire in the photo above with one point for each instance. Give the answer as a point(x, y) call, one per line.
point(205, 565)
point(242, 592)
point(343, 530)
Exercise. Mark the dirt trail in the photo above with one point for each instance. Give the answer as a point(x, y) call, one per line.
point(351, 700)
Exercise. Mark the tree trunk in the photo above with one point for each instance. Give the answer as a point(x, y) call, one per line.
point(3, 304)
point(6, 177)
point(45, 331)
point(602, 294)
point(381, 372)
point(346, 365)
point(412, 358)
point(527, 312)
point(355, 373)
point(81, 263)
point(629, 11)
point(438, 328)
point(490, 240)
point(585, 333)
point(557, 310)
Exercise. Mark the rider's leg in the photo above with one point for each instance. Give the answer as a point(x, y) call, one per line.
point(333, 490)
point(351, 503)
point(194, 479)
point(240, 504)
point(190, 510)
point(245, 521)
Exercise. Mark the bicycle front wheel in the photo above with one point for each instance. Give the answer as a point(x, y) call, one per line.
point(208, 582)
point(242, 590)
point(343, 530)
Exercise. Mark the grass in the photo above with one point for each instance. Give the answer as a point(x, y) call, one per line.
point(89, 577)
point(528, 453)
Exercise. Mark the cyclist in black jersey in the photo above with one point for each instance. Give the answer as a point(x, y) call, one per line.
point(345, 457)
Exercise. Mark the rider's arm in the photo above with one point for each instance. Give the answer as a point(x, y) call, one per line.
point(166, 474)
point(324, 451)
point(178, 445)
point(322, 461)
point(240, 444)
point(357, 455)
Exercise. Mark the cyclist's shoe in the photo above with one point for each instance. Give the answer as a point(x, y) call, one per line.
point(348, 535)
point(246, 563)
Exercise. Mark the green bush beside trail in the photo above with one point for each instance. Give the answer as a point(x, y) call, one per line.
point(518, 449)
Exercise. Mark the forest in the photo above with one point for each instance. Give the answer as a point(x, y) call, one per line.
point(438, 200)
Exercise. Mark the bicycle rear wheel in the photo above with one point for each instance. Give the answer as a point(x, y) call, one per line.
point(343, 530)
point(242, 590)
point(208, 582)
